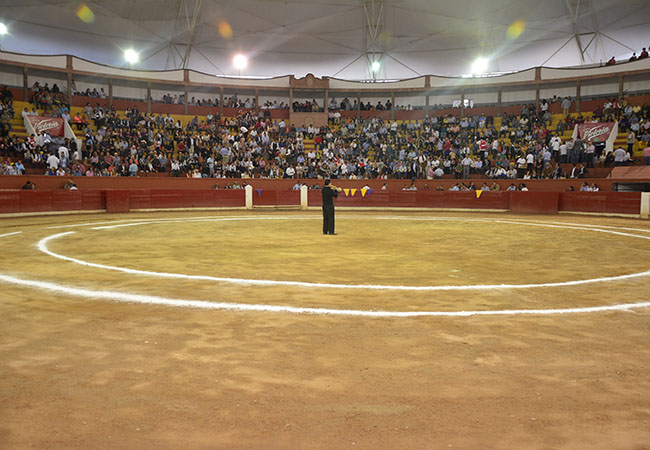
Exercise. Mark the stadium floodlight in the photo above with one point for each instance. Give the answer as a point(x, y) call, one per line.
point(480, 65)
point(375, 66)
point(131, 56)
point(240, 61)
point(3, 28)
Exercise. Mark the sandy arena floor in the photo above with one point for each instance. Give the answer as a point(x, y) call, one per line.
point(237, 330)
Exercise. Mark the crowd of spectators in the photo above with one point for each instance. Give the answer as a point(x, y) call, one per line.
point(7, 166)
point(524, 146)
point(228, 102)
point(93, 93)
point(49, 99)
point(347, 105)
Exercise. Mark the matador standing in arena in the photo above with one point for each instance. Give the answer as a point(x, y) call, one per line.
point(328, 193)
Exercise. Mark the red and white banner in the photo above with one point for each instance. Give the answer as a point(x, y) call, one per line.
point(595, 132)
point(53, 125)
point(606, 132)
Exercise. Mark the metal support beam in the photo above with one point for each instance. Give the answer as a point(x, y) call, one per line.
point(110, 92)
point(191, 30)
point(578, 95)
point(591, 50)
point(392, 109)
point(374, 27)
point(598, 36)
point(574, 23)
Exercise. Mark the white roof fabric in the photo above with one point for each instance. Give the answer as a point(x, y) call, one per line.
point(333, 37)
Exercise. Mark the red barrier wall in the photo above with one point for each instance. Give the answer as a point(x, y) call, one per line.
point(46, 201)
point(601, 202)
point(478, 110)
point(196, 110)
point(124, 200)
point(277, 113)
point(121, 105)
point(419, 199)
point(117, 201)
point(19, 94)
point(267, 197)
point(9, 202)
point(176, 198)
point(417, 114)
point(81, 100)
point(534, 202)
point(165, 108)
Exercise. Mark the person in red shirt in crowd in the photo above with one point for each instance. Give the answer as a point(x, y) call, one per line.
point(611, 62)
point(633, 57)
point(644, 54)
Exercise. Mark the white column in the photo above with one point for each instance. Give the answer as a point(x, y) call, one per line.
point(249, 197)
point(645, 205)
point(303, 198)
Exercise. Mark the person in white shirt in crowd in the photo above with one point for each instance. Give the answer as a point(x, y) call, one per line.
point(620, 156)
point(53, 162)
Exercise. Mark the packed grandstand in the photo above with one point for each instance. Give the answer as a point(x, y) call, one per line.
point(534, 144)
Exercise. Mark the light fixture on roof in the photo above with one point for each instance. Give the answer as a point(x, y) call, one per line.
point(131, 56)
point(375, 66)
point(240, 61)
point(480, 65)
point(3, 29)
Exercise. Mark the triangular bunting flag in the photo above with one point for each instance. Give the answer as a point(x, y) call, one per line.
point(346, 191)
point(370, 191)
point(259, 192)
point(363, 192)
point(478, 193)
point(353, 191)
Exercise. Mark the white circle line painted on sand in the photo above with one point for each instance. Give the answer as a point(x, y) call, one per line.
point(10, 234)
point(224, 219)
point(200, 304)
point(42, 246)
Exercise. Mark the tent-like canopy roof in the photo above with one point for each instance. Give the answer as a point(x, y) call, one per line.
point(339, 38)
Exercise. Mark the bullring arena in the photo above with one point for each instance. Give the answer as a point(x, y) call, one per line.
point(252, 329)
point(165, 279)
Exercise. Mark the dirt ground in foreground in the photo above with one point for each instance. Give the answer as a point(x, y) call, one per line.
point(82, 373)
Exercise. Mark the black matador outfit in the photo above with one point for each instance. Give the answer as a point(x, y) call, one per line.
point(328, 195)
